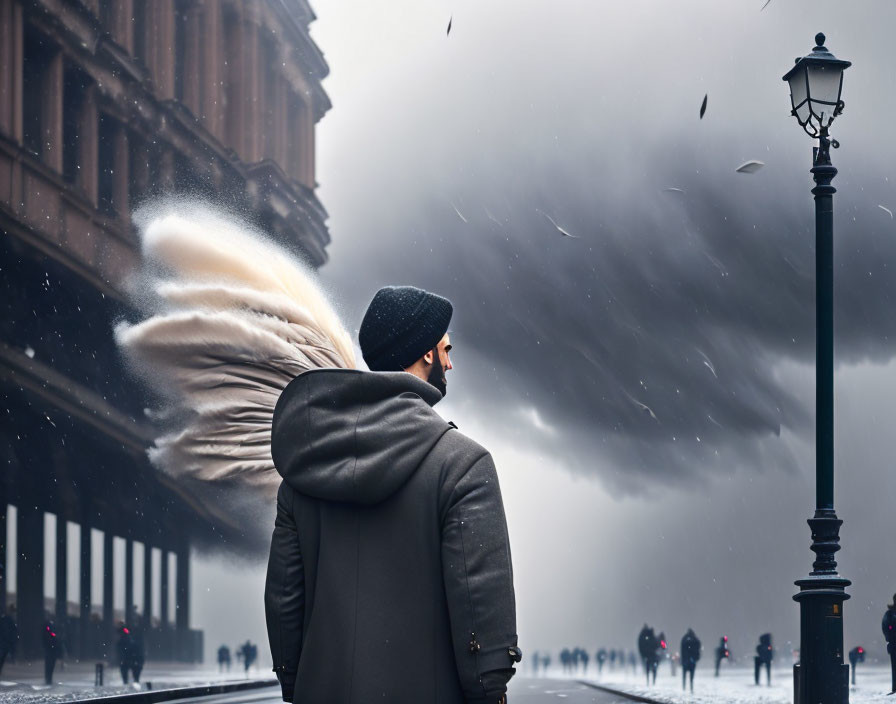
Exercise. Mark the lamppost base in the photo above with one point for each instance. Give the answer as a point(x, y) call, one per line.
point(821, 677)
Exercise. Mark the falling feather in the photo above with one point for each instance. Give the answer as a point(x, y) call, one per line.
point(886, 210)
point(750, 167)
point(459, 214)
point(557, 227)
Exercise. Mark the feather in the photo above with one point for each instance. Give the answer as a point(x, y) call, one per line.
point(238, 319)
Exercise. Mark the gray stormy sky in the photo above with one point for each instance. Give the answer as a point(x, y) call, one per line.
point(442, 163)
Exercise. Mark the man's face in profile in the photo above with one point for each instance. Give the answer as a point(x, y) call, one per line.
point(441, 363)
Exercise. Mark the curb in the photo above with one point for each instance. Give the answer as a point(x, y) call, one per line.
point(163, 695)
point(619, 693)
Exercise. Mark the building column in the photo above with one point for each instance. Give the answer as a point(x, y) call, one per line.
point(11, 65)
point(252, 94)
point(182, 589)
point(192, 52)
point(30, 578)
point(129, 582)
point(147, 586)
point(161, 49)
point(4, 497)
point(212, 67)
point(163, 596)
point(108, 613)
point(88, 145)
point(61, 574)
point(86, 586)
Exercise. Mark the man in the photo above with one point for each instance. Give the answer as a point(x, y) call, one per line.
point(888, 626)
point(124, 648)
point(764, 656)
point(390, 576)
point(690, 654)
point(52, 650)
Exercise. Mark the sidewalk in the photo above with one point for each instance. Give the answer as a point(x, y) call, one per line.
point(734, 686)
point(24, 682)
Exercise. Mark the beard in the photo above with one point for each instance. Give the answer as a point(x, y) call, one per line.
point(437, 374)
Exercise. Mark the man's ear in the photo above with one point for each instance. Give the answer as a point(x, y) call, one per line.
point(428, 357)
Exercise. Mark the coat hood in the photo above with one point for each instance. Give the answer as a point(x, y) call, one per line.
point(354, 436)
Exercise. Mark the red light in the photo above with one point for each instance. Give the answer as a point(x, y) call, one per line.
point(861, 650)
point(126, 630)
point(51, 633)
point(663, 644)
point(725, 638)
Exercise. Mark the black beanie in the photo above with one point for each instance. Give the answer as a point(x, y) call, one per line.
point(402, 323)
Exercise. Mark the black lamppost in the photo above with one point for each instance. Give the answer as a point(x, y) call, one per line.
point(821, 677)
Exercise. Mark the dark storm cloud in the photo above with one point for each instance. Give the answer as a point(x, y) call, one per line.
point(655, 340)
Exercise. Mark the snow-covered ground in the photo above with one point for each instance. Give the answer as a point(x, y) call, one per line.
point(735, 685)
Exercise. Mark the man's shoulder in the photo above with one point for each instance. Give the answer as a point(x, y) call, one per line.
point(457, 450)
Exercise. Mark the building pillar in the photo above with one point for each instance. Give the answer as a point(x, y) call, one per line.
point(252, 94)
point(86, 586)
point(161, 49)
point(108, 613)
point(163, 595)
point(212, 66)
point(11, 66)
point(30, 578)
point(61, 574)
point(192, 52)
point(129, 582)
point(182, 604)
point(147, 586)
point(4, 497)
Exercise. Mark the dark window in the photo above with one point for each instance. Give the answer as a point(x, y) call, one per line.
point(138, 25)
point(106, 134)
point(36, 59)
point(74, 93)
point(180, 48)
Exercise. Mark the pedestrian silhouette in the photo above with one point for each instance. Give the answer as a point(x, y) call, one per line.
point(888, 626)
point(600, 658)
point(124, 648)
point(690, 654)
point(566, 659)
point(633, 661)
point(545, 662)
point(764, 656)
point(856, 655)
point(9, 636)
point(722, 652)
point(535, 657)
point(52, 649)
point(224, 658)
point(583, 654)
point(651, 647)
point(247, 652)
point(612, 660)
point(138, 651)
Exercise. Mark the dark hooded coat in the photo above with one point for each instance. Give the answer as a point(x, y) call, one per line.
point(389, 577)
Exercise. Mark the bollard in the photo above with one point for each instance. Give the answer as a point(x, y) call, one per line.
point(98, 676)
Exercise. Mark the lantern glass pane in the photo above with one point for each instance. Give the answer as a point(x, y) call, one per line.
point(798, 95)
point(824, 91)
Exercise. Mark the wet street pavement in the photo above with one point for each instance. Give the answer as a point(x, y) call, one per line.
point(522, 689)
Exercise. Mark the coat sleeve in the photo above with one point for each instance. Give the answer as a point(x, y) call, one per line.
point(284, 594)
point(479, 584)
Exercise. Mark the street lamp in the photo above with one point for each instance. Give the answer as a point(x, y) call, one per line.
point(821, 677)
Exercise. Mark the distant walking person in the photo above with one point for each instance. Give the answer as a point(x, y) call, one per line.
point(690, 654)
point(9, 635)
point(722, 652)
point(650, 646)
point(124, 648)
point(52, 650)
point(764, 656)
point(601, 657)
point(856, 655)
point(248, 652)
point(888, 626)
point(224, 658)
